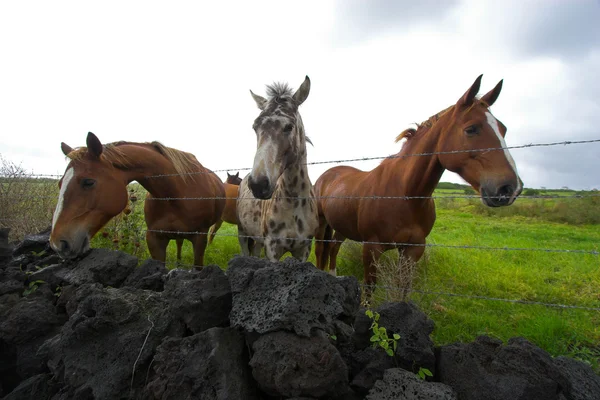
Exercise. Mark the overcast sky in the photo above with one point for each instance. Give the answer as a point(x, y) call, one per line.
point(180, 73)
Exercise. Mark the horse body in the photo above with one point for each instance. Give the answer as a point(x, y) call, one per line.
point(232, 186)
point(98, 191)
point(356, 203)
point(276, 207)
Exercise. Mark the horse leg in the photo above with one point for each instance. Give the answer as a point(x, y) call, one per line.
point(244, 241)
point(213, 230)
point(272, 250)
point(199, 242)
point(302, 253)
point(251, 244)
point(322, 244)
point(370, 256)
point(255, 247)
point(179, 246)
point(335, 249)
point(157, 246)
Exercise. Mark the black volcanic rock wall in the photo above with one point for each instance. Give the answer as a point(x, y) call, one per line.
point(103, 327)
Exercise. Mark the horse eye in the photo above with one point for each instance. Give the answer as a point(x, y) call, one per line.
point(288, 128)
point(88, 183)
point(472, 130)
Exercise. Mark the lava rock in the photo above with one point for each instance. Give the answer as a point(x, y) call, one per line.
point(36, 387)
point(584, 383)
point(12, 280)
point(111, 336)
point(24, 326)
point(367, 367)
point(107, 267)
point(10, 286)
point(415, 347)
point(288, 365)
point(201, 299)
point(485, 369)
point(5, 247)
point(399, 384)
point(150, 276)
point(289, 295)
point(34, 244)
point(211, 365)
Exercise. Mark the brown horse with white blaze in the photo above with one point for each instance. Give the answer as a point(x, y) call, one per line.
point(350, 201)
point(94, 189)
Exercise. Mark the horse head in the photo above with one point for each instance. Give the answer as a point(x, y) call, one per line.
point(233, 179)
point(472, 144)
point(92, 191)
point(280, 136)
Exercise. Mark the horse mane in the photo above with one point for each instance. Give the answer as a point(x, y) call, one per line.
point(183, 162)
point(428, 123)
point(277, 90)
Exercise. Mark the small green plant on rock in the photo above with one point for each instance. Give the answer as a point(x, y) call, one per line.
point(423, 372)
point(32, 287)
point(380, 336)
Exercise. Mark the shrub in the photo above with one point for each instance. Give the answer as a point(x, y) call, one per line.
point(531, 192)
point(396, 274)
point(26, 202)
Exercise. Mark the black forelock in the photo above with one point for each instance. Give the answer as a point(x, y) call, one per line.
point(279, 90)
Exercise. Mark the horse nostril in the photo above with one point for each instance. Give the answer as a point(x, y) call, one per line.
point(506, 190)
point(64, 246)
point(260, 187)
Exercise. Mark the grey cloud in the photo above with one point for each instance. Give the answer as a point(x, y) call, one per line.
point(547, 28)
point(563, 28)
point(576, 117)
point(359, 20)
point(575, 166)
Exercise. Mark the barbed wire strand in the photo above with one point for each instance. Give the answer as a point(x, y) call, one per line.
point(402, 156)
point(360, 159)
point(372, 197)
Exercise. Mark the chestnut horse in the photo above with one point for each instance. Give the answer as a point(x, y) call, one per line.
point(232, 186)
point(94, 189)
point(452, 140)
point(276, 205)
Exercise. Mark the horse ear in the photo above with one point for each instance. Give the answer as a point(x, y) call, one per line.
point(237, 174)
point(260, 101)
point(66, 149)
point(490, 97)
point(229, 175)
point(94, 145)
point(469, 96)
point(302, 92)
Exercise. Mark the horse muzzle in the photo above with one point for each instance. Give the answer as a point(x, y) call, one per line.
point(260, 187)
point(69, 249)
point(501, 196)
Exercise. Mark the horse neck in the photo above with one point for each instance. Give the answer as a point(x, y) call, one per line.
point(418, 175)
point(144, 164)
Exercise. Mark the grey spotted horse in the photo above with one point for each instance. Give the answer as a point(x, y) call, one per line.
point(276, 205)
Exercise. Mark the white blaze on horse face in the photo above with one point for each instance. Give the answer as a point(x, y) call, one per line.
point(61, 197)
point(265, 163)
point(494, 124)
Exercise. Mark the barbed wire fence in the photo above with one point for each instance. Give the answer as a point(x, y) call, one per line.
point(387, 289)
